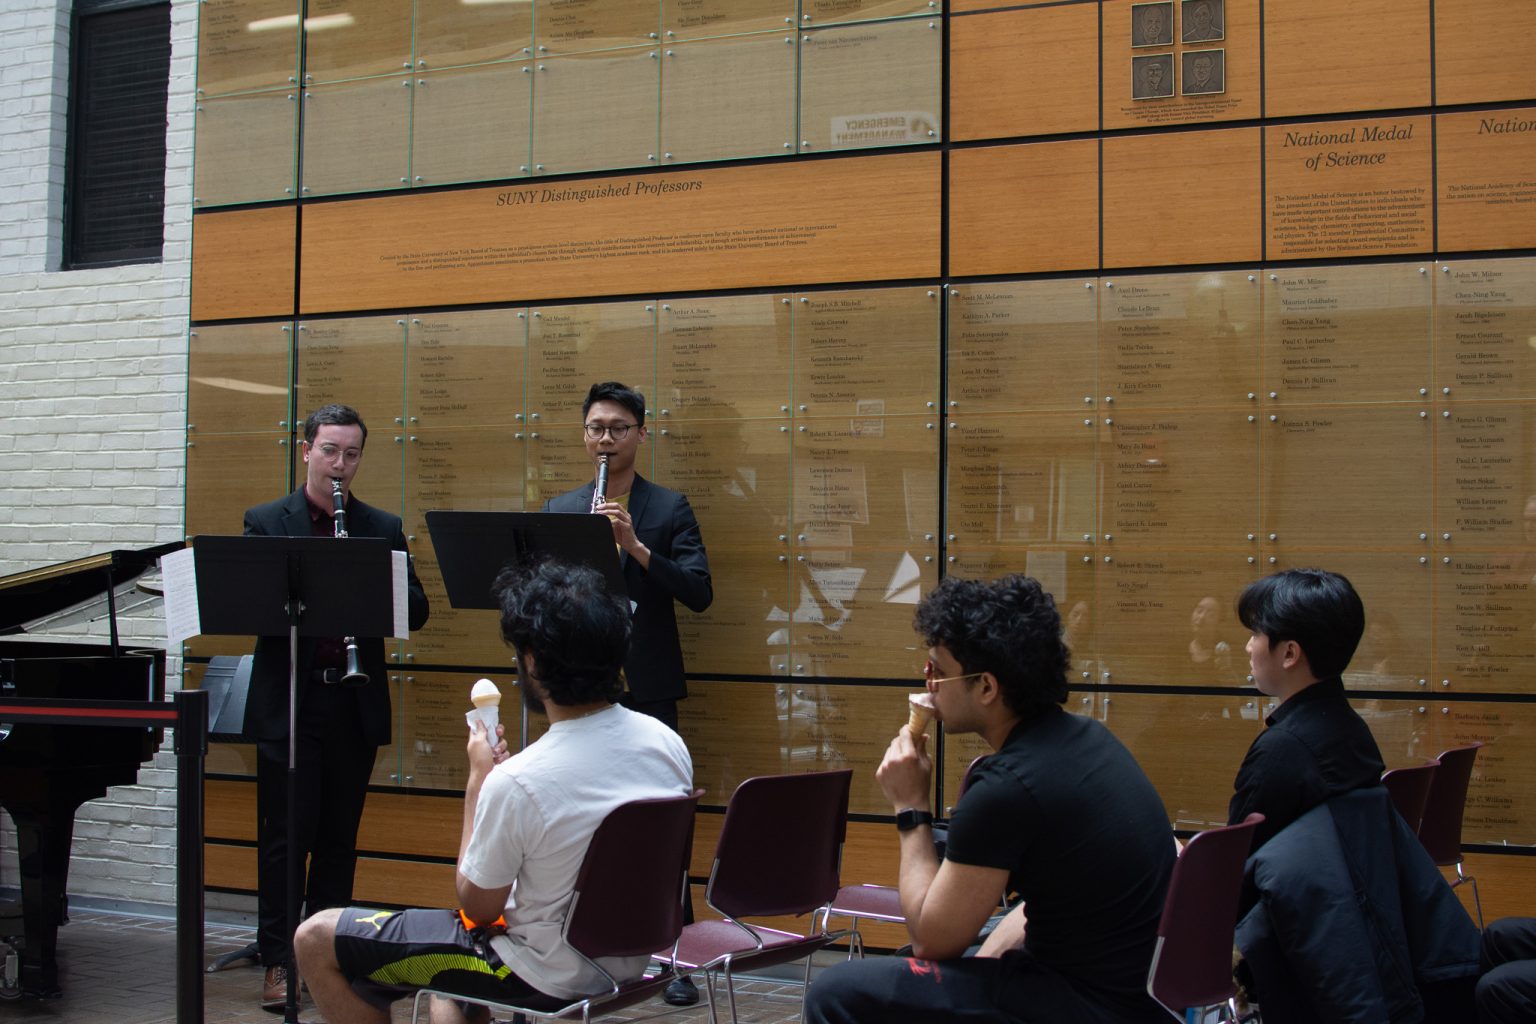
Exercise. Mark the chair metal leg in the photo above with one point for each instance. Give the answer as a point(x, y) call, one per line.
point(805, 990)
point(709, 989)
point(1476, 901)
point(730, 990)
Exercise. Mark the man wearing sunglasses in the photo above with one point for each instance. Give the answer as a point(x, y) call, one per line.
point(1060, 814)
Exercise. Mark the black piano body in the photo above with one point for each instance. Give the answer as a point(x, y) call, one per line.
point(47, 771)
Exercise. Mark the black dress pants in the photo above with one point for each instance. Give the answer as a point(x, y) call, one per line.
point(1506, 992)
point(334, 762)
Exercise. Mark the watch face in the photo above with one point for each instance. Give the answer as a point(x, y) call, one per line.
point(908, 820)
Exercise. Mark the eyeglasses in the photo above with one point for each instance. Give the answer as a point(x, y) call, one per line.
point(330, 451)
point(619, 430)
point(929, 668)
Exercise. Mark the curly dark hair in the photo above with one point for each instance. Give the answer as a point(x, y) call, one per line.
point(576, 630)
point(613, 391)
point(1318, 609)
point(1009, 628)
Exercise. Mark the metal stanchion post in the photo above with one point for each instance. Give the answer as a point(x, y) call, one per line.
point(191, 748)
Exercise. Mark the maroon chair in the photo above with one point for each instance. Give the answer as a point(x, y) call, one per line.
point(1409, 789)
point(628, 902)
point(779, 853)
point(1192, 963)
point(878, 902)
point(1440, 828)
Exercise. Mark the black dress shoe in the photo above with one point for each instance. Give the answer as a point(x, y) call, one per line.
point(681, 992)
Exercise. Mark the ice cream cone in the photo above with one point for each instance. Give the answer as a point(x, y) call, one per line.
point(919, 712)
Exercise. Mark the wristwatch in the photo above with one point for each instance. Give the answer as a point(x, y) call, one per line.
point(909, 819)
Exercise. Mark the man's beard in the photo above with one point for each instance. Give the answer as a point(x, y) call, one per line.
point(532, 701)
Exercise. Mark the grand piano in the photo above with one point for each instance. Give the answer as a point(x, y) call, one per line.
point(48, 771)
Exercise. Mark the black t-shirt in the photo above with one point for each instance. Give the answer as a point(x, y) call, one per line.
point(1315, 748)
point(1067, 811)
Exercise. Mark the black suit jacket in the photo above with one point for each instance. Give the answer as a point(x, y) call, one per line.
point(679, 571)
point(266, 708)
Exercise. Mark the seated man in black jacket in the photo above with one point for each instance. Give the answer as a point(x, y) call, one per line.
point(1306, 624)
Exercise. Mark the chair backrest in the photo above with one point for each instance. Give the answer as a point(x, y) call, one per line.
point(1440, 828)
point(781, 845)
point(1193, 962)
point(629, 891)
point(1409, 788)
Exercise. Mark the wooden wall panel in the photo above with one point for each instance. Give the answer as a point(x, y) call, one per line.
point(863, 218)
point(1031, 71)
point(1348, 188)
point(1193, 197)
point(1486, 191)
point(242, 263)
point(1321, 56)
point(1483, 51)
point(1026, 208)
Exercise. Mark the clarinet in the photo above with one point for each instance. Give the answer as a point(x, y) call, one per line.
point(354, 676)
point(600, 491)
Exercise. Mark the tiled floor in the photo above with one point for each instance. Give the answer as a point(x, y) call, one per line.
point(120, 969)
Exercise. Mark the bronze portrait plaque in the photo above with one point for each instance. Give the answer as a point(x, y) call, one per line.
point(1152, 24)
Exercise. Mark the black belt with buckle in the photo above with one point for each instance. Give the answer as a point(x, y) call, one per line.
point(328, 676)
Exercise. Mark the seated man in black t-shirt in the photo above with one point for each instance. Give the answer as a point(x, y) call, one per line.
point(1306, 624)
point(1061, 814)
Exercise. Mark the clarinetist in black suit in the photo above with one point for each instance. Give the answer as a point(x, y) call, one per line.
point(660, 547)
point(340, 727)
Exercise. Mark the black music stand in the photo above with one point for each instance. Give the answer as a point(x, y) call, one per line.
point(302, 586)
point(473, 547)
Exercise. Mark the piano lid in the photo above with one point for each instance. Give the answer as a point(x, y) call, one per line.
point(81, 590)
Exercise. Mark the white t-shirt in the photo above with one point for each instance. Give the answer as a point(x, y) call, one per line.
point(535, 818)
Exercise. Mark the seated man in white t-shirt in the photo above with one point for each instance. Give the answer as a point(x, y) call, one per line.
point(527, 823)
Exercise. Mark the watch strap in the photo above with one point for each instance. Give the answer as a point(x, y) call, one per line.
point(910, 819)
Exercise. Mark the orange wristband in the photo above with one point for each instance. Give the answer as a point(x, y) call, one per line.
point(498, 925)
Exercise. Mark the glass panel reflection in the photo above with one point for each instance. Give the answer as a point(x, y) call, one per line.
point(738, 730)
point(1501, 800)
point(430, 739)
point(472, 468)
point(865, 520)
point(596, 110)
point(866, 86)
point(558, 462)
point(229, 473)
point(246, 45)
point(237, 378)
point(1179, 340)
point(1190, 747)
point(1372, 501)
point(867, 353)
point(1002, 335)
point(450, 33)
point(732, 97)
point(1347, 334)
point(725, 357)
point(1185, 478)
point(358, 361)
point(735, 474)
point(466, 368)
point(245, 148)
point(345, 39)
point(570, 348)
point(1019, 479)
point(1066, 572)
point(1485, 472)
point(1168, 619)
point(830, 12)
point(1396, 590)
point(571, 26)
point(1485, 622)
point(700, 19)
point(1485, 316)
point(356, 135)
point(471, 124)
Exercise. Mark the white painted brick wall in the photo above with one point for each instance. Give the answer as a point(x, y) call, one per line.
point(92, 399)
